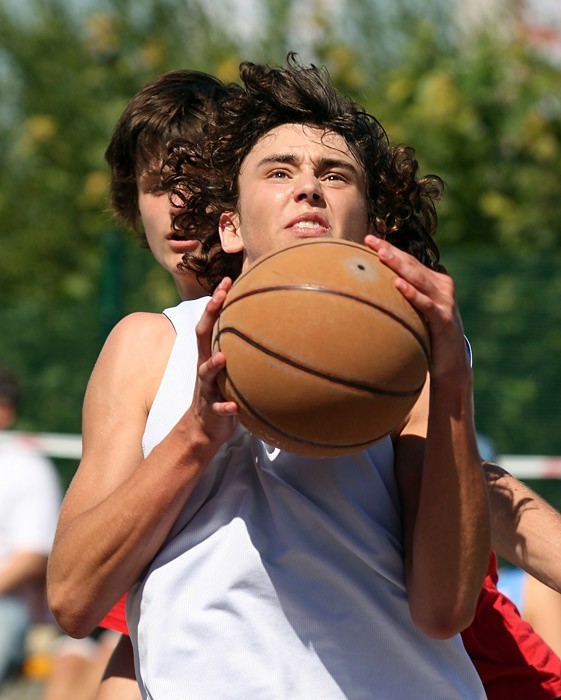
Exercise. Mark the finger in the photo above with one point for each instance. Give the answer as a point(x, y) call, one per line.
point(208, 319)
point(431, 293)
point(225, 408)
point(397, 260)
point(211, 368)
point(208, 372)
point(413, 276)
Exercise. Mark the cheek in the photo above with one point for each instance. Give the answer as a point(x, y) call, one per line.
point(356, 219)
point(253, 213)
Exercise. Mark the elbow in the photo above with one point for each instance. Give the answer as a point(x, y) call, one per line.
point(73, 626)
point(70, 611)
point(443, 623)
point(74, 622)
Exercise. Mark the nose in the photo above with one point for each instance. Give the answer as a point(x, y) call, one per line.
point(308, 188)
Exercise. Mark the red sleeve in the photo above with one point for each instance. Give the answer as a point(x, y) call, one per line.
point(512, 660)
point(116, 618)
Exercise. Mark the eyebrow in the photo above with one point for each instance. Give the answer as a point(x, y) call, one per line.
point(324, 163)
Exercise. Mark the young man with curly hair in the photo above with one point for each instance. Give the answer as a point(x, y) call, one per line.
point(234, 594)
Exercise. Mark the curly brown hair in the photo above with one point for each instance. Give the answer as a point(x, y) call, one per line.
point(173, 105)
point(203, 177)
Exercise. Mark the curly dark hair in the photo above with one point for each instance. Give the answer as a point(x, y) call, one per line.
point(203, 177)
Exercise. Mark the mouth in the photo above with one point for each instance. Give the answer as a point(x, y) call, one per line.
point(309, 226)
point(180, 244)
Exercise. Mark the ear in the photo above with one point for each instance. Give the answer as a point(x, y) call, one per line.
point(229, 230)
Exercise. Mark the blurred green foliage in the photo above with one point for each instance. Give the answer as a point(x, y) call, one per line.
point(512, 317)
point(481, 108)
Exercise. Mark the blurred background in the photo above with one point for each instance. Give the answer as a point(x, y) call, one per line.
point(474, 87)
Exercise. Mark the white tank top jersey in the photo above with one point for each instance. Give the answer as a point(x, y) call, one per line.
point(283, 577)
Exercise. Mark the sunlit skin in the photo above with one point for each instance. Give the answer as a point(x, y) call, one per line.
point(167, 246)
point(297, 182)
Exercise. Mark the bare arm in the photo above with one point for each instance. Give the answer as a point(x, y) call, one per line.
point(445, 509)
point(542, 609)
point(120, 507)
point(526, 530)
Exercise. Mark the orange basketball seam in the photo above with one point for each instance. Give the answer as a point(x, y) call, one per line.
point(316, 373)
point(295, 438)
point(333, 292)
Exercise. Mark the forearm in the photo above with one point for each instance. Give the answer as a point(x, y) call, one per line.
point(99, 552)
point(445, 510)
point(21, 568)
point(451, 542)
point(526, 530)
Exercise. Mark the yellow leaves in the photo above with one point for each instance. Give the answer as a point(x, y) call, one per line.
point(510, 221)
point(36, 130)
point(153, 54)
point(345, 69)
point(102, 36)
point(400, 89)
point(40, 127)
point(438, 98)
point(496, 205)
point(227, 69)
point(94, 192)
point(431, 101)
point(538, 139)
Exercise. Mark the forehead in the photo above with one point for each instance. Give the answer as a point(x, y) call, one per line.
point(301, 141)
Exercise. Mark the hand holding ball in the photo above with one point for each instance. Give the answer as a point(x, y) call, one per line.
point(324, 356)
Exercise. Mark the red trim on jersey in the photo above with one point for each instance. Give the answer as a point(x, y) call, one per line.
point(512, 660)
point(116, 618)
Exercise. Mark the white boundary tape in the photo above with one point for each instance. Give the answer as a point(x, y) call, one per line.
point(531, 466)
point(70, 447)
point(51, 444)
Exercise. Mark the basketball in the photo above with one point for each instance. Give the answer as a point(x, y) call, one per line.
point(324, 356)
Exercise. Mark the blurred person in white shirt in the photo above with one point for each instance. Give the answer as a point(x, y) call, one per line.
point(30, 497)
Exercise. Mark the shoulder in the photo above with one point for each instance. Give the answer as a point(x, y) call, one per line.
point(133, 358)
point(136, 336)
point(140, 327)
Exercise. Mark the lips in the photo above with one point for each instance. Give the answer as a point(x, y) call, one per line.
point(182, 245)
point(309, 226)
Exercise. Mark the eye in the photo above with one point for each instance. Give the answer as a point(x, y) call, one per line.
point(335, 177)
point(278, 174)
